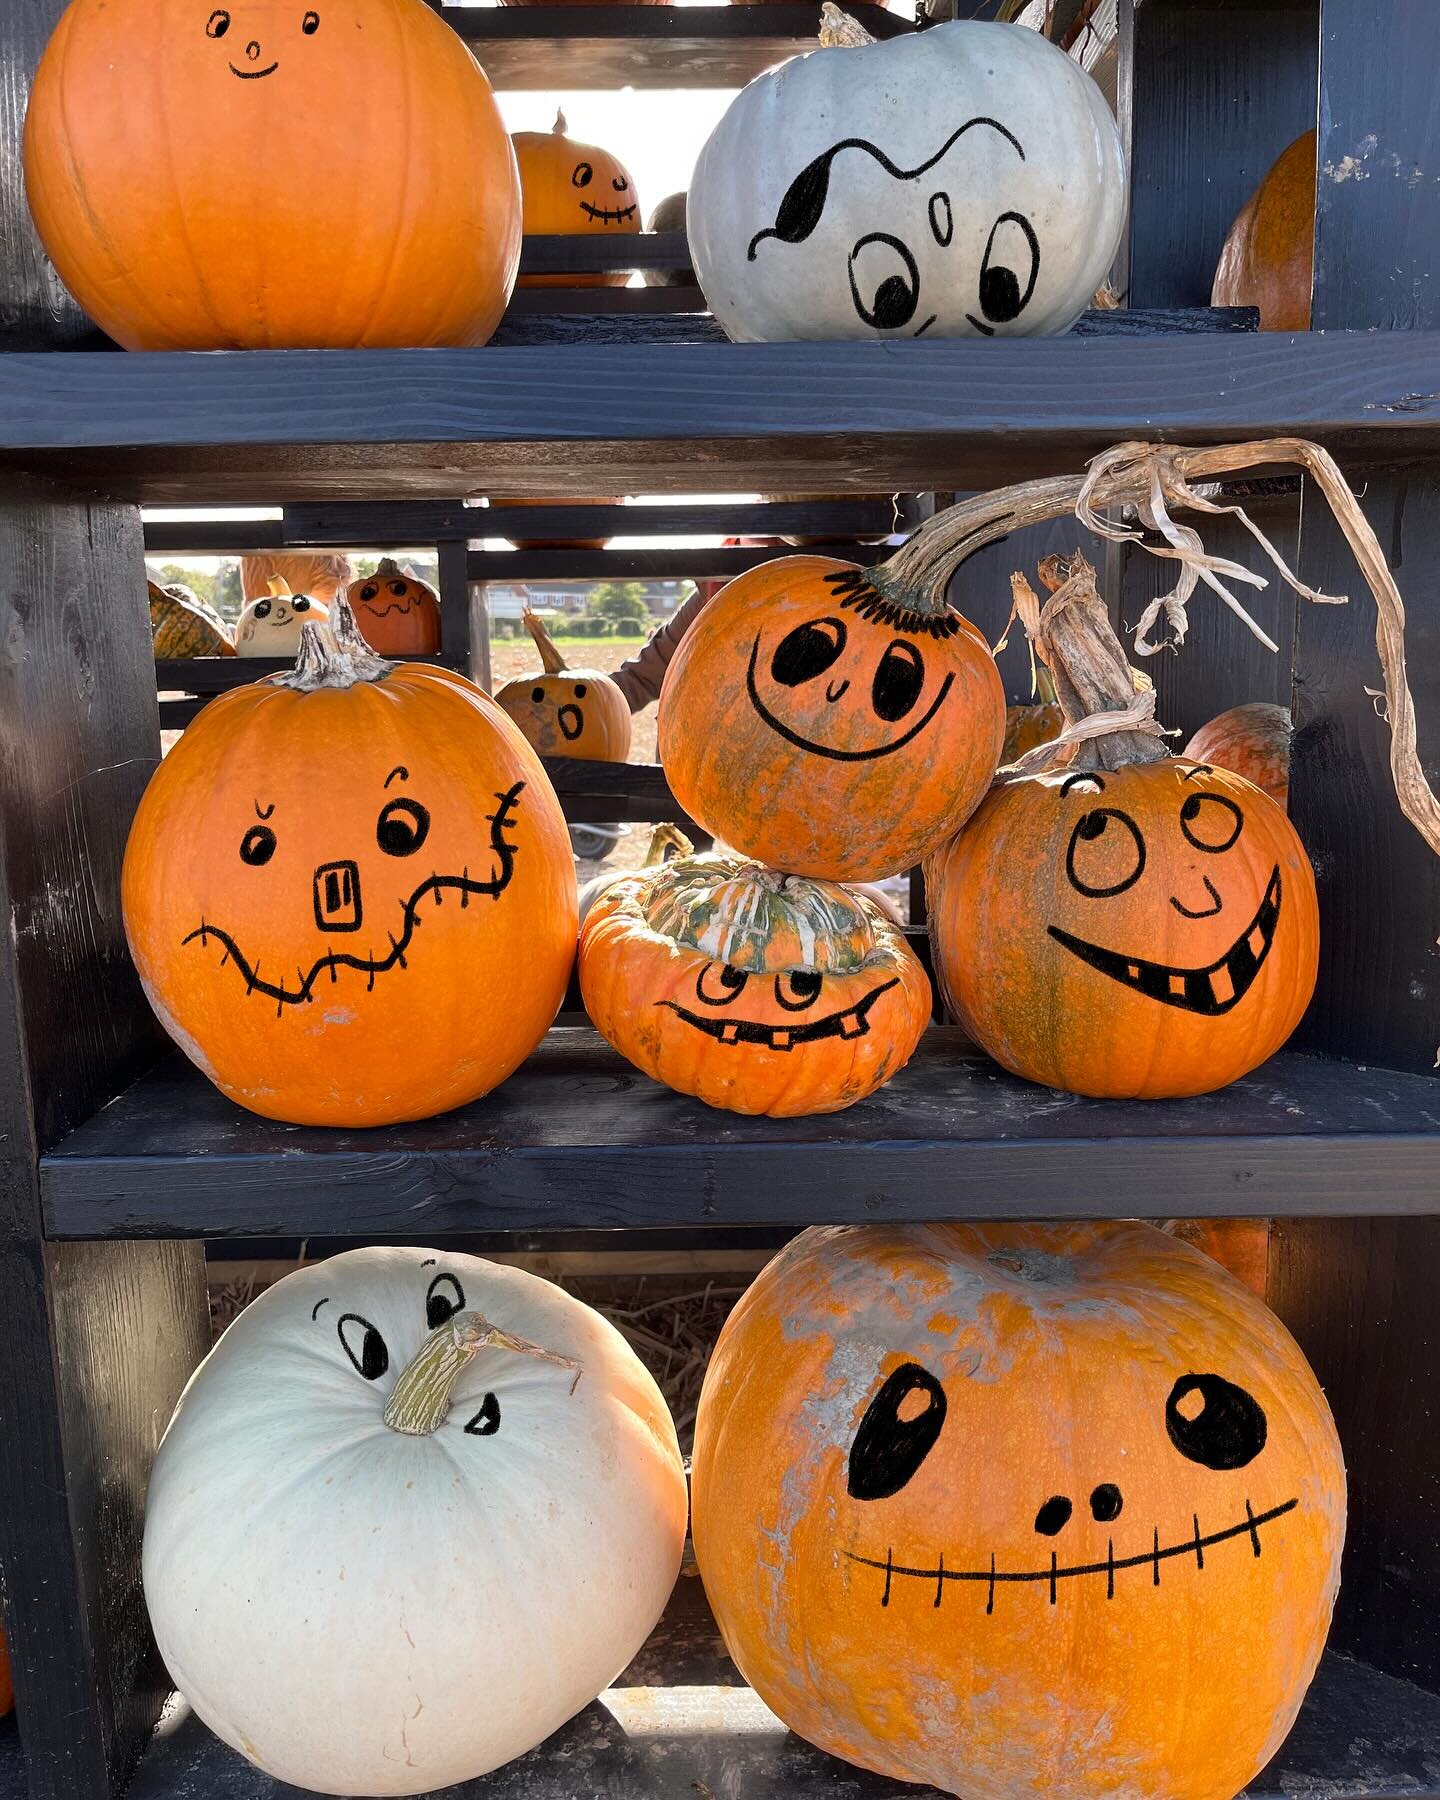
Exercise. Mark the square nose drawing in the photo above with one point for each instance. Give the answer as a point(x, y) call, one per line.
point(337, 896)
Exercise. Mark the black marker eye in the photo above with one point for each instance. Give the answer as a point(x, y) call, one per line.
point(257, 846)
point(898, 681)
point(301, 604)
point(1009, 269)
point(487, 1421)
point(798, 989)
point(310, 24)
point(217, 24)
point(443, 1299)
point(369, 592)
point(581, 690)
point(1214, 1423)
point(942, 219)
point(537, 695)
point(807, 651)
point(1106, 854)
point(718, 984)
point(398, 589)
point(897, 1433)
point(363, 1345)
point(619, 184)
point(403, 827)
point(263, 609)
point(1211, 822)
point(886, 289)
point(582, 175)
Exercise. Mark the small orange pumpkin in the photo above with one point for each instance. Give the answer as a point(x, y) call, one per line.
point(1036, 723)
point(573, 187)
point(565, 711)
point(1019, 1509)
point(319, 573)
point(360, 948)
point(398, 614)
point(828, 722)
point(1133, 924)
point(1251, 740)
point(181, 168)
point(1269, 257)
point(182, 625)
point(271, 625)
point(755, 991)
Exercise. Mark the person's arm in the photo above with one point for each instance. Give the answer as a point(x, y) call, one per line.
point(639, 677)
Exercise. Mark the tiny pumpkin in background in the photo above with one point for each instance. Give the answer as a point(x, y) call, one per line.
point(181, 625)
point(570, 187)
point(754, 991)
point(1251, 740)
point(669, 215)
point(1019, 1509)
point(1037, 722)
point(271, 625)
point(564, 711)
point(398, 614)
point(1269, 256)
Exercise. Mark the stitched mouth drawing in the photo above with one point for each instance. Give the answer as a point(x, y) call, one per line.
point(605, 215)
point(338, 908)
point(852, 1022)
point(1213, 990)
point(254, 74)
point(1196, 1545)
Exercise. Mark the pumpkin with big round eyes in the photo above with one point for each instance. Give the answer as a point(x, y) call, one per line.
point(753, 990)
point(398, 614)
point(344, 951)
point(825, 721)
point(389, 1458)
point(564, 711)
point(574, 188)
point(271, 625)
point(1019, 1509)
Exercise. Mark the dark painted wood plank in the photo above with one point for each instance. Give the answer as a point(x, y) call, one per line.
point(648, 565)
point(423, 521)
point(680, 315)
point(577, 1138)
point(609, 793)
point(218, 674)
point(574, 253)
point(553, 421)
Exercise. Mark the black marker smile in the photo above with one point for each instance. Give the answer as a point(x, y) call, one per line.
point(253, 74)
point(853, 1022)
point(1195, 1546)
point(1212, 990)
point(803, 743)
point(608, 215)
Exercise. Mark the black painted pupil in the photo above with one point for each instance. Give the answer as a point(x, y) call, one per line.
point(369, 593)
point(397, 588)
point(1227, 1432)
point(1106, 1502)
point(805, 983)
point(263, 609)
point(1054, 1515)
point(257, 846)
point(807, 651)
point(217, 25)
point(1092, 826)
point(894, 295)
point(537, 695)
point(888, 1449)
point(1211, 822)
point(734, 979)
point(898, 682)
point(310, 24)
point(302, 604)
point(582, 175)
point(619, 184)
point(402, 828)
point(370, 1358)
point(1000, 294)
point(487, 1421)
point(445, 1298)
point(580, 690)
point(1009, 269)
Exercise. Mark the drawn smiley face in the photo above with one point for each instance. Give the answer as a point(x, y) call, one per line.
point(256, 60)
point(597, 205)
point(781, 1008)
point(398, 615)
point(271, 625)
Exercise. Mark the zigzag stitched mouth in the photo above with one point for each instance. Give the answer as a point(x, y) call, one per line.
point(852, 1022)
point(1212, 990)
point(371, 966)
point(1195, 1546)
point(384, 612)
point(608, 216)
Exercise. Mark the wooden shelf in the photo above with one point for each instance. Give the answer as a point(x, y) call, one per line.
point(680, 1722)
point(270, 427)
point(579, 1139)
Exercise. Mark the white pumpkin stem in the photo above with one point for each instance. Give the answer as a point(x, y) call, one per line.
point(559, 128)
point(279, 587)
point(551, 659)
point(838, 31)
point(333, 655)
point(421, 1401)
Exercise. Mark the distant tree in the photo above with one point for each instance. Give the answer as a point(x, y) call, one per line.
point(229, 598)
point(199, 583)
point(619, 600)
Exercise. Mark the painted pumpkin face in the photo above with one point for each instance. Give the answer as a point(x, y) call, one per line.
point(271, 625)
point(569, 187)
point(822, 729)
point(1019, 1510)
point(755, 991)
point(200, 140)
point(965, 182)
point(398, 615)
point(1149, 931)
point(564, 711)
point(361, 950)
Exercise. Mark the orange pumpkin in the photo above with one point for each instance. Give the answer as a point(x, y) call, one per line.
point(182, 625)
point(1269, 257)
point(355, 948)
point(182, 169)
point(1240, 1246)
point(319, 573)
point(1019, 1509)
point(571, 187)
point(1133, 924)
point(755, 991)
point(565, 711)
point(1251, 740)
point(398, 614)
point(826, 722)
point(1036, 723)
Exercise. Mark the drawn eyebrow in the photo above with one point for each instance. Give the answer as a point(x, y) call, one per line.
point(399, 770)
point(264, 812)
point(429, 1263)
point(1198, 769)
point(318, 1304)
point(804, 201)
point(1071, 781)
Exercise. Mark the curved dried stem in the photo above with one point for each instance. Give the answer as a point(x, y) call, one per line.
point(333, 654)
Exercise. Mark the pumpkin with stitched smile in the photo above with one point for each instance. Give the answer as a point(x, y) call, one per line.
point(1019, 1510)
point(349, 891)
point(398, 614)
point(570, 187)
point(755, 991)
point(830, 721)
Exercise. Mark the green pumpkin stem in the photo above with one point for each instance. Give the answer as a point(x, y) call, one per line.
point(550, 658)
point(421, 1400)
point(666, 840)
point(333, 655)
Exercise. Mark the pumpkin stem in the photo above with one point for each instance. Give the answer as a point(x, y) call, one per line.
point(279, 587)
point(420, 1403)
point(386, 567)
point(559, 128)
point(737, 912)
point(838, 31)
point(551, 659)
point(663, 840)
point(333, 655)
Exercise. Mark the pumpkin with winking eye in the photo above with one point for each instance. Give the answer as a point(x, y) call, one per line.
point(574, 188)
point(398, 614)
point(564, 711)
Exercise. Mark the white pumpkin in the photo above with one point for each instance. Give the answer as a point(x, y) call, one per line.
point(388, 1546)
point(270, 625)
point(966, 180)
